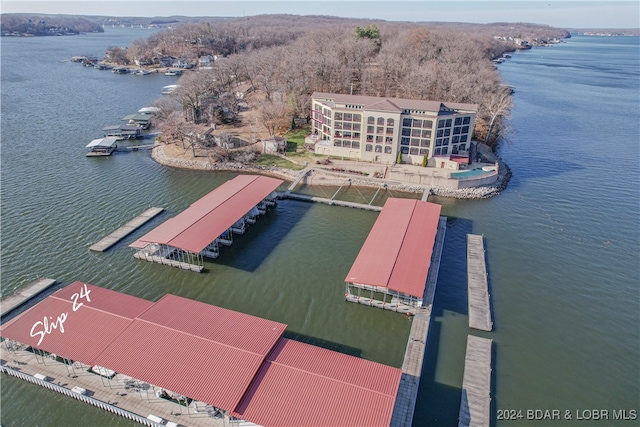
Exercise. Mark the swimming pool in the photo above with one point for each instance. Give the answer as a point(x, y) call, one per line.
point(471, 173)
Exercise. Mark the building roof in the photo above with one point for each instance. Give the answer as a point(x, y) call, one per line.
point(374, 103)
point(78, 334)
point(102, 142)
point(397, 251)
point(206, 219)
point(205, 352)
point(231, 360)
point(304, 385)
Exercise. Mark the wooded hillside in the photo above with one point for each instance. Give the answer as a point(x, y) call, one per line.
point(288, 57)
point(19, 24)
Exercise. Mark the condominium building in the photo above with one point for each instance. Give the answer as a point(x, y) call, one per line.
point(375, 129)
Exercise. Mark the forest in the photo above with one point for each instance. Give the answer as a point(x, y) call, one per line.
point(46, 25)
point(286, 58)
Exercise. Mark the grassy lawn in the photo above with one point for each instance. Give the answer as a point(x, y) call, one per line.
point(296, 136)
point(271, 160)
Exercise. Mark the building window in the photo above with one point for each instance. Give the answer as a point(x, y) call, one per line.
point(368, 147)
point(380, 121)
point(404, 150)
point(357, 126)
point(424, 143)
point(369, 138)
point(404, 141)
point(347, 126)
point(441, 124)
point(455, 139)
point(406, 122)
point(388, 140)
point(370, 129)
point(463, 138)
point(427, 124)
point(437, 152)
point(413, 151)
point(456, 130)
point(447, 132)
point(346, 144)
point(371, 120)
point(462, 147)
point(426, 134)
point(424, 151)
point(357, 118)
point(387, 150)
point(415, 142)
point(444, 150)
point(466, 120)
point(338, 116)
point(378, 148)
point(348, 117)
point(337, 143)
point(390, 122)
point(438, 142)
point(379, 130)
point(355, 144)
point(458, 121)
point(378, 139)
point(440, 133)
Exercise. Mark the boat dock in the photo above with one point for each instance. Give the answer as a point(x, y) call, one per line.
point(479, 306)
point(23, 295)
point(125, 230)
point(475, 404)
point(417, 343)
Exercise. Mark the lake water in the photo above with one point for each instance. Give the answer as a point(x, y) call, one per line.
point(562, 241)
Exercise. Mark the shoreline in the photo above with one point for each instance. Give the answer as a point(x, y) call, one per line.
point(319, 176)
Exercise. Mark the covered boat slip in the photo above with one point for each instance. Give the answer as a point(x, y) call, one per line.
point(237, 363)
point(199, 231)
point(392, 266)
point(102, 147)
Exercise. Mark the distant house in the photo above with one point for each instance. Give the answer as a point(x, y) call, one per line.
point(166, 61)
point(274, 145)
point(206, 61)
point(242, 90)
point(181, 63)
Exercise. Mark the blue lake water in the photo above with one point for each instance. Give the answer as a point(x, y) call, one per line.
point(562, 241)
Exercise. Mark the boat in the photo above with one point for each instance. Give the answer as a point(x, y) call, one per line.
point(167, 90)
point(120, 70)
point(173, 73)
point(141, 72)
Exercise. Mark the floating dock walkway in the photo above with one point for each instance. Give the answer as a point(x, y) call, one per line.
point(306, 198)
point(23, 295)
point(479, 307)
point(125, 230)
point(475, 404)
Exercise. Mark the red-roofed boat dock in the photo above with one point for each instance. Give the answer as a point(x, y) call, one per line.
point(226, 366)
point(198, 231)
point(396, 278)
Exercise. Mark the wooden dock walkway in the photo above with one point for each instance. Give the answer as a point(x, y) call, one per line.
point(417, 343)
point(25, 294)
point(479, 306)
point(475, 404)
point(305, 198)
point(125, 230)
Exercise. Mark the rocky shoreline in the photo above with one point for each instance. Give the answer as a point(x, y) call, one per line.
point(319, 176)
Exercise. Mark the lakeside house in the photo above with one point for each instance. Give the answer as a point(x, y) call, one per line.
point(377, 129)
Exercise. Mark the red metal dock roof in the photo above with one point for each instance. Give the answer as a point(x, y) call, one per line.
point(231, 360)
point(201, 223)
point(80, 319)
point(397, 252)
point(305, 385)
